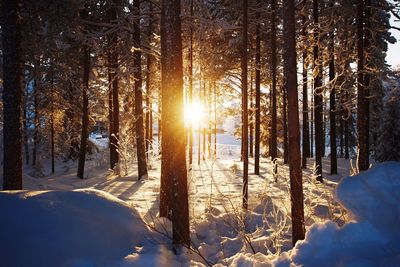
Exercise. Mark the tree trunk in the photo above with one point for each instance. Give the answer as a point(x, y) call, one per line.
point(174, 188)
point(251, 121)
point(12, 94)
point(36, 123)
point(296, 183)
point(332, 104)
point(191, 83)
point(285, 128)
point(203, 101)
point(215, 121)
point(113, 78)
point(137, 74)
point(209, 130)
point(85, 110)
point(244, 107)
point(273, 148)
point(362, 111)
point(318, 106)
point(306, 132)
point(149, 65)
point(258, 96)
point(52, 121)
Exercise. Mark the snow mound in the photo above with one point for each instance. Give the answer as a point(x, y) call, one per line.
point(373, 239)
point(67, 228)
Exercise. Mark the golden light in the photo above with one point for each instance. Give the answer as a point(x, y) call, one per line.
point(194, 113)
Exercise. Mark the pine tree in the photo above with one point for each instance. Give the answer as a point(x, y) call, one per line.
point(174, 189)
point(12, 95)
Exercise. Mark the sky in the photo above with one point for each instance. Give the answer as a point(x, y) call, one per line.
point(393, 54)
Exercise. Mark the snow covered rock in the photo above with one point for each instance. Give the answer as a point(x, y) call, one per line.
point(67, 228)
point(373, 239)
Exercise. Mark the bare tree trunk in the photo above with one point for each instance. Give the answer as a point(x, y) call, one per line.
point(332, 99)
point(173, 162)
point(296, 183)
point(137, 74)
point(36, 123)
point(244, 106)
point(273, 148)
point(251, 115)
point(52, 121)
point(203, 101)
point(113, 78)
point(215, 120)
point(258, 96)
point(306, 132)
point(149, 65)
point(209, 131)
point(362, 111)
point(191, 83)
point(85, 110)
point(12, 94)
point(285, 128)
point(318, 105)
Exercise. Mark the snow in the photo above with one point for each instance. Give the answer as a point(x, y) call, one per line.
point(88, 227)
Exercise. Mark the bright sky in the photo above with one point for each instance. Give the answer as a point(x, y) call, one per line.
point(393, 54)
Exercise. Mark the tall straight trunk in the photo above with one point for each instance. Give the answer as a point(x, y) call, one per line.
point(204, 123)
point(12, 94)
point(215, 120)
point(367, 74)
point(209, 131)
point(258, 95)
point(113, 78)
point(85, 110)
point(110, 109)
point(347, 137)
point(149, 64)
point(312, 127)
point(306, 131)
point(52, 121)
point(296, 183)
point(137, 74)
point(173, 161)
point(36, 123)
point(251, 118)
point(244, 106)
point(341, 135)
point(332, 104)
point(199, 127)
point(285, 128)
point(318, 106)
point(191, 83)
point(362, 107)
point(25, 125)
point(273, 148)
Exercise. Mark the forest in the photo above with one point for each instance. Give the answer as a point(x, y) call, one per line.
point(200, 133)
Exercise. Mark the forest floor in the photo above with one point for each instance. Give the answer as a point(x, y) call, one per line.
point(219, 230)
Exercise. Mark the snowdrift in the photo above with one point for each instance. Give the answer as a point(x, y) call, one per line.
point(373, 238)
point(74, 228)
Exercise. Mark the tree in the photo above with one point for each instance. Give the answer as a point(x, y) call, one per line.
point(332, 100)
point(137, 74)
point(318, 105)
point(296, 183)
point(85, 105)
point(174, 189)
point(258, 95)
point(245, 127)
point(273, 148)
point(12, 95)
point(362, 106)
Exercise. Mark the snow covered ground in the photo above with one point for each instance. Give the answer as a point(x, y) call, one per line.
point(220, 232)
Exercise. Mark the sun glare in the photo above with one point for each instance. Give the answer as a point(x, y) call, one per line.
point(194, 113)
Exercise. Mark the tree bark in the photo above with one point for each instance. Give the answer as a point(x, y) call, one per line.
point(191, 83)
point(85, 109)
point(251, 118)
point(244, 106)
point(306, 131)
point(285, 127)
point(273, 148)
point(149, 65)
point(258, 96)
point(296, 183)
point(332, 104)
point(12, 94)
point(362, 111)
point(174, 188)
point(137, 74)
point(318, 106)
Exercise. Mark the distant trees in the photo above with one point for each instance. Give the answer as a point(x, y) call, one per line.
point(12, 94)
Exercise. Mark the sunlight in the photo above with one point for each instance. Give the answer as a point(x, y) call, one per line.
point(194, 113)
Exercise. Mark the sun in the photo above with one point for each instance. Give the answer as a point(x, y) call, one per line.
point(194, 113)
